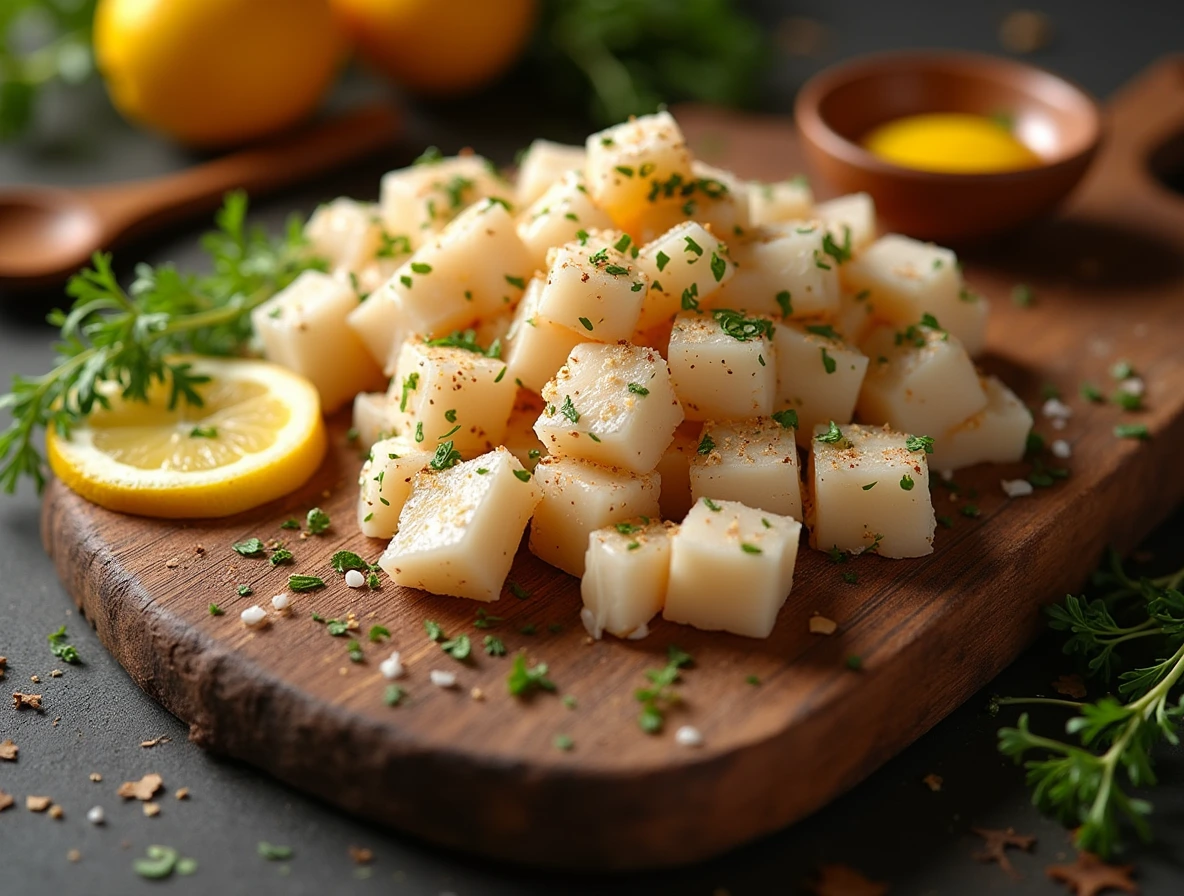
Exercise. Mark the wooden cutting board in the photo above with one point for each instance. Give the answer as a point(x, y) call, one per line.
point(481, 773)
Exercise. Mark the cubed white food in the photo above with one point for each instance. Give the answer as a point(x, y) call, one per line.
point(419, 201)
point(780, 201)
point(577, 499)
point(753, 462)
point(857, 315)
point(686, 261)
point(818, 375)
point(626, 570)
point(612, 405)
point(477, 267)
point(558, 216)
point(731, 568)
point(919, 380)
point(905, 278)
point(536, 347)
point(996, 434)
point(855, 212)
point(444, 392)
point(372, 420)
point(783, 270)
point(304, 324)
point(520, 436)
point(381, 323)
point(715, 198)
point(628, 161)
point(675, 469)
point(543, 163)
point(345, 233)
point(460, 527)
point(385, 483)
point(596, 292)
point(720, 376)
point(870, 492)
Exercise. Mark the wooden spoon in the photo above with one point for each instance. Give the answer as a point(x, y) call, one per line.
point(47, 233)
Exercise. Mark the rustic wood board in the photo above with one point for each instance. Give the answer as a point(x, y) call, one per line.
point(483, 775)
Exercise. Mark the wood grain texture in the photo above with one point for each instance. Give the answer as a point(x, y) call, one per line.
point(484, 776)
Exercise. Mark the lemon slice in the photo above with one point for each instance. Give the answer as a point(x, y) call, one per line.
point(257, 435)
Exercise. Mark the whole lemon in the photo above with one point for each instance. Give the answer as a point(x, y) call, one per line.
point(216, 72)
point(439, 47)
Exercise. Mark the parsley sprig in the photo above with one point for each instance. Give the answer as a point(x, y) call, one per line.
point(128, 339)
point(657, 698)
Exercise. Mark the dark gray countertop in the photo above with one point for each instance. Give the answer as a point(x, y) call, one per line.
point(892, 827)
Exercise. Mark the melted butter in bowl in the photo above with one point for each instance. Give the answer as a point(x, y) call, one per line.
point(953, 142)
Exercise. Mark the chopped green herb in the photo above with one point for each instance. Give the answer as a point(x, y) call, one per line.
point(280, 556)
point(750, 548)
point(244, 591)
point(1022, 295)
point(467, 340)
point(1128, 401)
point(523, 475)
point(486, 620)
point(458, 648)
point(839, 253)
point(616, 270)
point(742, 328)
point(216, 610)
point(692, 246)
point(660, 695)
point(317, 521)
point(569, 701)
point(518, 591)
point(587, 324)
point(711, 505)
point(785, 300)
point(946, 521)
point(569, 410)
point(523, 680)
point(378, 633)
point(529, 629)
point(788, 419)
point(160, 863)
point(203, 432)
point(393, 695)
point(854, 662)
point(834, 436)
point(850, 577)
point(494, 646)
point(1090, 392)
point(622, 245)
point(409, 385)
point(638, 389)
point(971, 510)
point(563, 742)
point(435, 633)
point(275, 853)
point(305, 583)
point(252, 547)
point(661, 259)
point(1122, 370)
point(290, 524)
point(719, 267)
point(419, 431)
point(419, 267)
point(445, 458)
point(752, 680)
point(828, 363)
point(690, 300)
point(516, 282)
point(870, 486)
point(355, 652)
point(906, 482)
point(1132, 431)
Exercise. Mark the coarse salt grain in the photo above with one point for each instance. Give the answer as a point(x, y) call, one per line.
point(355, 579)
point(442, 679)
point(392, 667)
point(590, 624)
point(1055, 409)
point(281, 602)
point(688, 736)
point(1060, 448)
point(253, 615)
point(96, 815)
point(1132, 386)
point(1015, 488)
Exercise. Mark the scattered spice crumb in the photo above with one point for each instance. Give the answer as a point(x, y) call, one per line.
point(56, 812)
point(36, 679)
point(6, 800)
point(8, 750)
point(161, 739)
point(361, 855)
point(56, 673)
point(1089, 876)
point(182, 793)
point(933, 782)
point(820, 625)
point(172, 562)
point(37, 803)
point(144, 789)
point(1070, 685)
point(74, 856)
point(151, 809)
point(995, 844)
point(477, 694)
point(26, 701)
point(96, 777)
point(839, 880)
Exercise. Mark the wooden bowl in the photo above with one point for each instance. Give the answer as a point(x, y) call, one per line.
point(1058, 120)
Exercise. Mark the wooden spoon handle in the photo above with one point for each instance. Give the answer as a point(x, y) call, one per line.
point(258, 170)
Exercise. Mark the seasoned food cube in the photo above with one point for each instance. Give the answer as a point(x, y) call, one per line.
point(731, 568)
point(520, 436)
point(418, 202)
point(857, 315)
point(372, 420)
point(626, 161)
point(536, 347)
point(781, 201)
point(855, 211)
point(596, 293)
point(919, 380)
point(626, 569)
point(382, 324)
point(675, 470)
point(612, 405)
point(905, 278)
point(460, 527)
point(443, 391)
point(558, 216)
point(385, 483)
point(346, 233)
point(818, 375)
point(543, 163)
point(783, 270)
point(577, 499)
point(870, 491)
point(996, 434)
point(754, 462)
point(685, 261)
point(715, 198)
point(477, 267)
point(303, 328)
point(723, 366)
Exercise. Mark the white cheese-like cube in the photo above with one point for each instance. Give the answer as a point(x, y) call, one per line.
point(675, 469)
point(536, 347)
point(731, 568)
point(869, 492)
point(783, 268)
point(460, 527)
point(385, 483)
point(685, 261)
point(855, 213)
point(345, 233)
point(543, 163)
point(558, 216)
point(717, 375)
point(781, 201)
point(372, 419)
point(520, 436)
point(905, 278)
point(382, 324)
point(477, 267)
point(626, 570)
point(715, 198)
point(753, 462)
point(919, 380)
point(628, 161)
point(303, 328)
point(577, 499)
point(857, 315)
point(612, 405)
point(818, 375)
point(419, 201)
point(596, 293)
point(996, 434)
point(447, 393)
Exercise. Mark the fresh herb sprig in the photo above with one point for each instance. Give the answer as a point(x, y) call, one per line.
point(126, 341)
point(1082, 783)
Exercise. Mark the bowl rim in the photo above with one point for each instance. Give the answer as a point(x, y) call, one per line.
point(814, 126)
